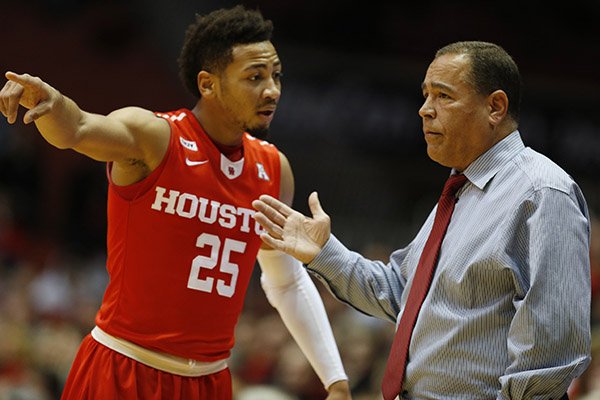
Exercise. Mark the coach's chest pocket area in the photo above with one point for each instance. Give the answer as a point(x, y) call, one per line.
point(471, 272)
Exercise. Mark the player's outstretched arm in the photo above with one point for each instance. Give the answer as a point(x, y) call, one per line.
point(127, 134)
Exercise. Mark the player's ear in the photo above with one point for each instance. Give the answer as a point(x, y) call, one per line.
point(206, 83)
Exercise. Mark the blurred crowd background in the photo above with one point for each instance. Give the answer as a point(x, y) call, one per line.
point(347, 121)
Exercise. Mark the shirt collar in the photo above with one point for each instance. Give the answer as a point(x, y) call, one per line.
point(483, 169)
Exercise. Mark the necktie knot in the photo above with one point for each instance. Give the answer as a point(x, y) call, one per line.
point(453, 184)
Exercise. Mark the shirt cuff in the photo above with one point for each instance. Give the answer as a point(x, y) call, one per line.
point(331, 260)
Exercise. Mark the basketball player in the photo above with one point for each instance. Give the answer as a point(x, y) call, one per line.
point(181, 238)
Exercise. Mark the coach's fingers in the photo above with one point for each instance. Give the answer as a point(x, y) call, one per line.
point(269, 212)
point(281, 207)
point(272, 228)
point(315, 206)
point(272, 242)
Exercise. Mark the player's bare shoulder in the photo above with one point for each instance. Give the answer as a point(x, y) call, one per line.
point(148, 131)
point(149, 134)
point(141, 121)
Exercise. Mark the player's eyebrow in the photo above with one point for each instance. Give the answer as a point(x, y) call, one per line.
point(261, 65)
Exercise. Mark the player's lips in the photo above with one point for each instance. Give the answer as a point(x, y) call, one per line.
point(267, 113)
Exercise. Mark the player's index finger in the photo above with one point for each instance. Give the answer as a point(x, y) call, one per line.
point(24, 79)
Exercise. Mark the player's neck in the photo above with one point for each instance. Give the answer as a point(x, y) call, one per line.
point(220, 130)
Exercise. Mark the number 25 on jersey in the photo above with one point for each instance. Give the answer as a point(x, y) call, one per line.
point(226, 267)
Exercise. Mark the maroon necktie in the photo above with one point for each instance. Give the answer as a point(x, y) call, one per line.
point(394, 371)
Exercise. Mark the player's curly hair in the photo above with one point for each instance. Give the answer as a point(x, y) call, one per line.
point(210, 39)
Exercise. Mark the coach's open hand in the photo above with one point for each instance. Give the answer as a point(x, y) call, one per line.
point(291, 232)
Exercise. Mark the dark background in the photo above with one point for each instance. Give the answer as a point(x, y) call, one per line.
point(347, 121)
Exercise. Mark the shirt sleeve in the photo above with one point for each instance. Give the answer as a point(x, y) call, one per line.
point(549, 337)
point(371, 287)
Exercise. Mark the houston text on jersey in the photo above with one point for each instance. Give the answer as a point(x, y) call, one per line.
point(188, 205)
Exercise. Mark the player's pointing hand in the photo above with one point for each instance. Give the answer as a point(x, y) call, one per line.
point(28, 91)
point(291, 232)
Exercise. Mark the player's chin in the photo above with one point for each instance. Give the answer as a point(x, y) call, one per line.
point(259, 132)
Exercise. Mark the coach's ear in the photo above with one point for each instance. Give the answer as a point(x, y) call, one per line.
point(206, 83)
point(497, 106)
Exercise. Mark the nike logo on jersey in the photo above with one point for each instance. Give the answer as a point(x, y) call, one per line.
point(193, 163)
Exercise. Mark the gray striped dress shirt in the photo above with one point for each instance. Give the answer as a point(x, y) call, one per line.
point(507, 315)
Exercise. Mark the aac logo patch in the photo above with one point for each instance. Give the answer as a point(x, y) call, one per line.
point(262, 174)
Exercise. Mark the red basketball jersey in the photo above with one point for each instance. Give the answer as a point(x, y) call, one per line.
point(182, 244)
